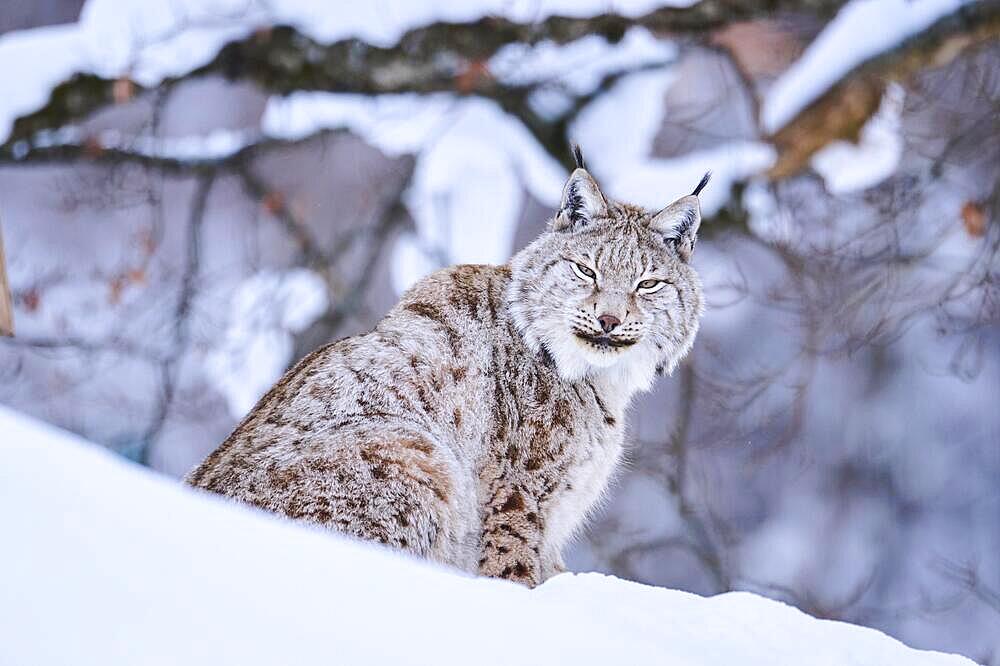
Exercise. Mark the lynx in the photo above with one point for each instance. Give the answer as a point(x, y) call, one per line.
point(480, 421)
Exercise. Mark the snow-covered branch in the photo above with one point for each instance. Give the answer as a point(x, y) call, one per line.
point(840, 113)
point(442, 56)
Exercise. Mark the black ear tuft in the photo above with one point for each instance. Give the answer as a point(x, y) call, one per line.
point(578, 157)
point(704, 181)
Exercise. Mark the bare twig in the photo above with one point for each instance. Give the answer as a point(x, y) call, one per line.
point(181, 333)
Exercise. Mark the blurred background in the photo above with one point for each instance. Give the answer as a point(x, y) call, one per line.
point(193, 194)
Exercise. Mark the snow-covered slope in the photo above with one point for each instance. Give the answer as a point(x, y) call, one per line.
point(106, 563)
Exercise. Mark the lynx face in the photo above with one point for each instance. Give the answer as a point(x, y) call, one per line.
point(610, 286)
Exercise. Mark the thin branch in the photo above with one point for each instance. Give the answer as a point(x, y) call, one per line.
point(91, 152)
point(181, 333)
point(391, 219)
point(968, 577)
point(309, 250)
point(100, 346)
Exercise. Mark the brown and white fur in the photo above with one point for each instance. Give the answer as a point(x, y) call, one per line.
point(481, 419)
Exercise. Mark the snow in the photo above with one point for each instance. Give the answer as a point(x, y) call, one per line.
point(149, 42)
point(216, 144)
point(381, 24)
point(108, 563)
point(862, 30)
point(266, 310)
point(618, 128)
point(564, 71)
point(847, 167)
point(405, 124)
point(578, 65)
point(468, 188)
point(617, 132)
point(395, 124)
point(768, 220)
point(466, 148)
point(473, 163)
point(54, 54)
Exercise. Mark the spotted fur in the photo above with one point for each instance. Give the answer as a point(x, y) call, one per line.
point(480, 421)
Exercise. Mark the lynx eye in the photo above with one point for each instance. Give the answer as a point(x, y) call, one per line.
point(651, 286)
point(583, 272)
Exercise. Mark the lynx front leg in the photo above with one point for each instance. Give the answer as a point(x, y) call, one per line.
point(511, 539)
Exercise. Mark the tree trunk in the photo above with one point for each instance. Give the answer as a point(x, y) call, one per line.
point(6, 303)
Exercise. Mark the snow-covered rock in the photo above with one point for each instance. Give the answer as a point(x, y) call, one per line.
point(107, 563)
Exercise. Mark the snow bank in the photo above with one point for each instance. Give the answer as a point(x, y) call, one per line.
point(107, 563)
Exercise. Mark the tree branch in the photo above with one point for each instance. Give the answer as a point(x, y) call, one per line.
point(92, 152)
point(841, 112)
point(433, 58)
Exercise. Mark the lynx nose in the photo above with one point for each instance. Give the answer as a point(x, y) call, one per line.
point(608, 322)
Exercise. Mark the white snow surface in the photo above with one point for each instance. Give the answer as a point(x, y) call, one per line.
point(862, 30)
point(578, 66)
point(108, 563)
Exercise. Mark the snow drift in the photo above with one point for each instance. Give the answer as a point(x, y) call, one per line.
point(107, 563)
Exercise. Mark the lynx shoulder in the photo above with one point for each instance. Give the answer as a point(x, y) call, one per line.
point(482, 418)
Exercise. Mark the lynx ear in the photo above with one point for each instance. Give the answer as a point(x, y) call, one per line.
point(582, 200)
point(679, 221)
